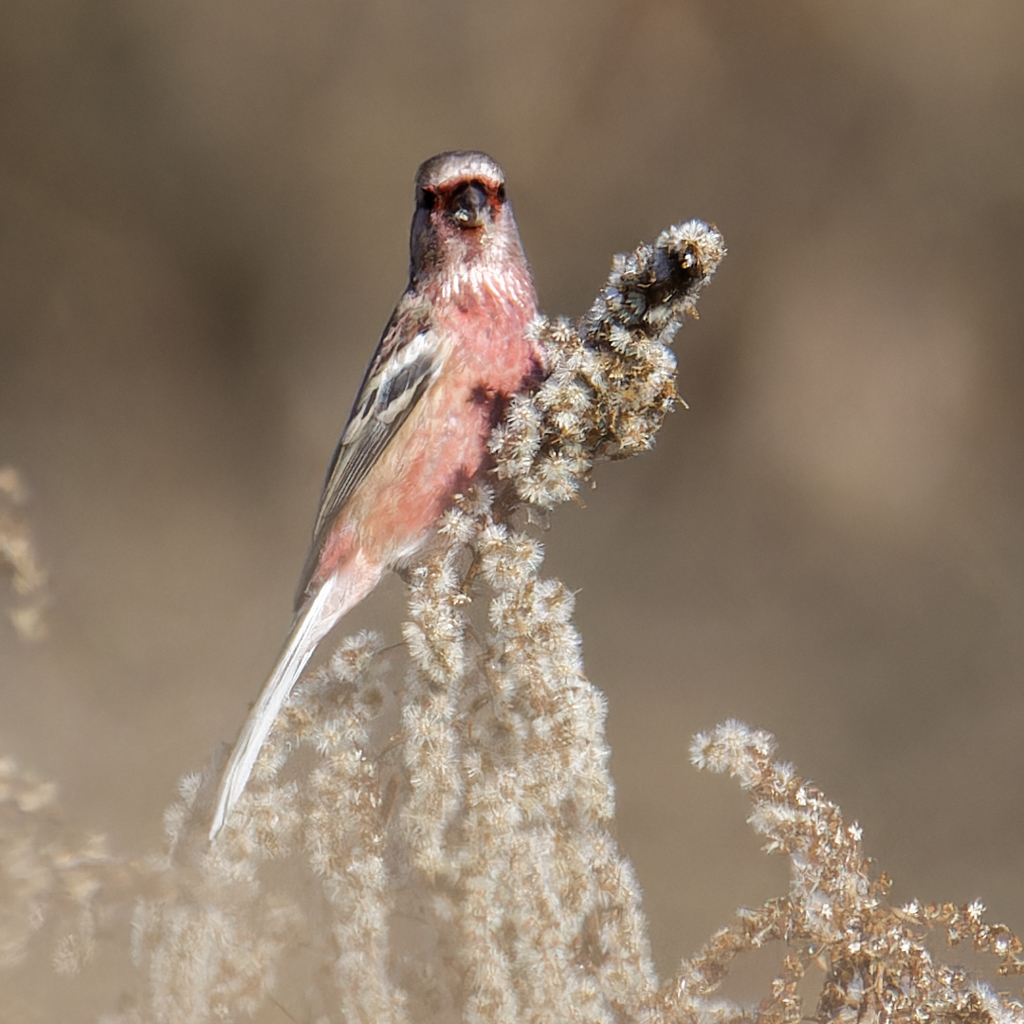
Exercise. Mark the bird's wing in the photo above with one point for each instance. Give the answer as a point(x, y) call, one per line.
point(405, 364)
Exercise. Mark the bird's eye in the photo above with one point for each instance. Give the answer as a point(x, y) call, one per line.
point(428, 199)
point(501, 193)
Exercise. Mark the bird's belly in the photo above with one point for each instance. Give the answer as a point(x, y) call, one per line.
point(429, 462)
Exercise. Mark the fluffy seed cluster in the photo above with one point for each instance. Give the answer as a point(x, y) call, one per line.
point(18, 559)
point(836, 917)
point(612, 375)
point(42, 875)
point(426, 834)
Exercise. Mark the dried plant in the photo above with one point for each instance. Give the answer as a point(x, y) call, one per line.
point(18, 559)
point(426, 834)
point(836, 916)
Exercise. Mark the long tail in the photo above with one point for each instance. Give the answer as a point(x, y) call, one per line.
point(315, 619)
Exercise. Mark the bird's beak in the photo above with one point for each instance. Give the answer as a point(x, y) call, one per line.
point(470, 206)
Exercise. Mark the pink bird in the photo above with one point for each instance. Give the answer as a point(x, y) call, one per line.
point(454, 349)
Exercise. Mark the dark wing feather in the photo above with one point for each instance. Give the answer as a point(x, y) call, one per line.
point(404, 366)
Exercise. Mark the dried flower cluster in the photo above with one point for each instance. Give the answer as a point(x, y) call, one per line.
point(612, 376)
point(18, 559)
point(425, 837)
point(41, 873)
point(836, 916)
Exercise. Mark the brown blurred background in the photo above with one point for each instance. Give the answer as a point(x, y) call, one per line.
point(204, 209)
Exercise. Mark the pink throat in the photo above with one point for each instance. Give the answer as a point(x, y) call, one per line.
point(483, 284)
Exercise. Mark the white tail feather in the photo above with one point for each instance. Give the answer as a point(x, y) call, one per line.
point(315, 620)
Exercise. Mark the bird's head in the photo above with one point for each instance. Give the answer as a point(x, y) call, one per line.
point(463, 225)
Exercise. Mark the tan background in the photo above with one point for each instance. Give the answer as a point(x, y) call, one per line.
point(204, 209)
